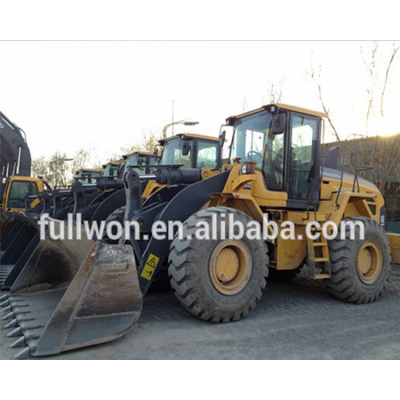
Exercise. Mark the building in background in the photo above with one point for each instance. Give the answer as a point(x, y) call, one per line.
point(378, 160)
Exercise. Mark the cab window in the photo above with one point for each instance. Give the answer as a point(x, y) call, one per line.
point(249, 136)
point(18, 190)
point(172, 154)
point(207, 154)
point(273, 161)
point(302, 156)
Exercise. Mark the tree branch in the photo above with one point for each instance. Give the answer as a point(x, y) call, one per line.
point(395, 50)
point(326, 110)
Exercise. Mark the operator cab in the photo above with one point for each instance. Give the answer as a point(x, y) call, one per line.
point(142, 162)
point(284, 142)
point(112, 169)
point(190, 151)
point(17, 187)
point(88, 175)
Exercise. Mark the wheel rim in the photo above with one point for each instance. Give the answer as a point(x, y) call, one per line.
point(369, 262)
point(230, 266)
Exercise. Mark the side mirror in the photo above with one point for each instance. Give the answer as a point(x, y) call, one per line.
point(225, 140)
point(156, 156)
point(278, 124)
point(222, 138)
point(185, 148)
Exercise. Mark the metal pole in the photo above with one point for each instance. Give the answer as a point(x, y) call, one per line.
point(172, 117)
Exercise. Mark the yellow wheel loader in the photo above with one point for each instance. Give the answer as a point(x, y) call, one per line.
point(191, 152)
point(85, 175)
point(57, 266)
point(173, 154)
point(276, 207)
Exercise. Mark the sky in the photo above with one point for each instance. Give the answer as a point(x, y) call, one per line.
point(99, 90)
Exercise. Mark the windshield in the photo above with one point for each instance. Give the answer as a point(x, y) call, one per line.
point(250, 134)
point(172, 154)
point(253, 140)
point(18, 190)
point(111, 171)
point(87, 175)
point(134, 160)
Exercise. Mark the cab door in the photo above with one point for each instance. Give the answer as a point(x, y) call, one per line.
point(303, 161)
point(15, 196)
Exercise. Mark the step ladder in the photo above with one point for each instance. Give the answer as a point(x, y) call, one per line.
point(318, 256)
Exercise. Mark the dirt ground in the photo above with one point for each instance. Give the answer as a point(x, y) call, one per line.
point(295, 320)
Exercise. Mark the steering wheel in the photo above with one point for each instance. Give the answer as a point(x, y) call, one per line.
point(255, 156)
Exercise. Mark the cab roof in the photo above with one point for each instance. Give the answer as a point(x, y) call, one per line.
point(284, 106)
point(115, 163)
point(141, 153)
point(190, 135)
point(89, 170)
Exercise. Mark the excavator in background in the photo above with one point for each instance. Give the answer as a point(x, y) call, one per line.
point(81, 292)
point(15, 169)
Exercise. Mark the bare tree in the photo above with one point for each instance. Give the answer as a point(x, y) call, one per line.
point(40, 166)
point(376, 82)
point(148, 143)
point(316, 77)
point(392, 57)
point(370, 64)
point(275, 91)
point(59, 170)
point(85, 158)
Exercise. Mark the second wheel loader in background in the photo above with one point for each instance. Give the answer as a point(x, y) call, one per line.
point(187, 151)
point(78, 293)
point(108, 203)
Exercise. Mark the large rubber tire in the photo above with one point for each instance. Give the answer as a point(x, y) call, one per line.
point(191, 265)
point(116, 215)
point(360, 268)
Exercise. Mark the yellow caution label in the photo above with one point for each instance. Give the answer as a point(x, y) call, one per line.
point(150, 267)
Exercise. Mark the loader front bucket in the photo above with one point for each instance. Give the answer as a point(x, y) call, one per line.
point(72, 294)
point(4, 216)
point(16, 246)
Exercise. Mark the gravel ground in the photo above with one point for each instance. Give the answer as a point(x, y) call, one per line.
point(294, 320)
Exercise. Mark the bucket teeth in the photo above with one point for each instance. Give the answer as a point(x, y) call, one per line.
point(5, 303)
point(10, 315)
point(19, 342)
point(15, 332)
point(12, 324)
point(22, 354)
point(4, 297)
point(6, 310)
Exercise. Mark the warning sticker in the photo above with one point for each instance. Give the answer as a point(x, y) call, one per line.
point(150, 267)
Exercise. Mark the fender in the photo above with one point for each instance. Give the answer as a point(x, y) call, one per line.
point(182, 206)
